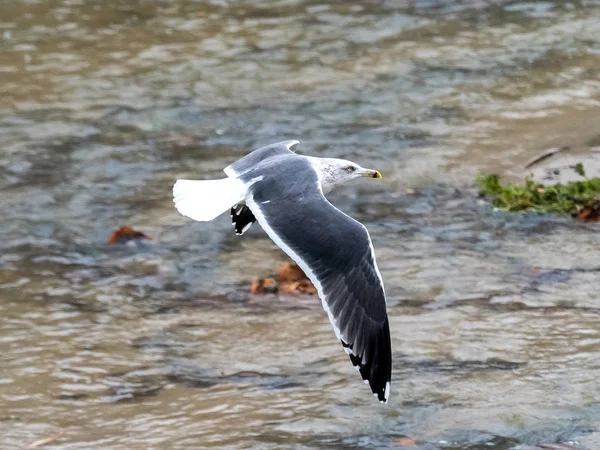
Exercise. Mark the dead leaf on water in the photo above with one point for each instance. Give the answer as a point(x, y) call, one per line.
point(291, 272)
point(264, 286)
point(297, 287)
point(290, 280)
point(589, 214)
point(126, 234)
point(405, 441)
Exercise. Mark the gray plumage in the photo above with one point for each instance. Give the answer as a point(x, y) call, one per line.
point(285, 193)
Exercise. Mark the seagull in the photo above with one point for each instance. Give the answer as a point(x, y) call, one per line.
point(285, 192)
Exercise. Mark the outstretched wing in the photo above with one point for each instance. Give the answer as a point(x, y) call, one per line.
point(336, 253)
point(258, 157)
point(241, 216)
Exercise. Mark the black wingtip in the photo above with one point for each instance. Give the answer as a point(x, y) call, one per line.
point(377, 368)
point(241, 218)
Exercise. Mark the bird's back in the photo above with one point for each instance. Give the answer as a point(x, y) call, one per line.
point(258, 157)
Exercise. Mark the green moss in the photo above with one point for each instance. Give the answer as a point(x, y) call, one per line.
point(566, 198)
point(579, 169)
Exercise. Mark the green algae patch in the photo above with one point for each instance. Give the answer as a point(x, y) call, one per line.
point(577, 198)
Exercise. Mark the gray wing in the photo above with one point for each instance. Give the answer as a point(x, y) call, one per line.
point(241, 216)
point(258, 156)
point(336, 253)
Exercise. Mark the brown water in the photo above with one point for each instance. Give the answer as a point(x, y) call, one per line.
point(495, 318)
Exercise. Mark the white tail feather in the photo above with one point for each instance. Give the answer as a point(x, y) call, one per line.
point(203, 200)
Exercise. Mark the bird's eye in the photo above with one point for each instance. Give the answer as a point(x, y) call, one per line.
point(350, 169)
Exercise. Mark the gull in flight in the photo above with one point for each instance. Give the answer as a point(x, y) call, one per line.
point(285, 191)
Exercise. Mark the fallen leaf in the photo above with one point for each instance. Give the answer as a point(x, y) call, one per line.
point(288, 288)
point(126, 234)
point(405, 441)
point(265, 286)
point(270, 284)
point(291, 272)
point(306, 287)
point(255, 286)
point(290, 280)
point(589, 214)
point(182, 140)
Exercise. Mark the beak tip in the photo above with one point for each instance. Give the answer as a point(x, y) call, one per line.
point(376, 175)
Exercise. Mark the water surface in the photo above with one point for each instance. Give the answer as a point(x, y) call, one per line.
point(103, 105)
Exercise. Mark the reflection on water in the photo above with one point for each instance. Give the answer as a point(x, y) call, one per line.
point(103, 104)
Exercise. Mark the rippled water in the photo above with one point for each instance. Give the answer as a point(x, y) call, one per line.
point(103, 105)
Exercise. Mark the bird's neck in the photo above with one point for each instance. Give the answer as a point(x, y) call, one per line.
point(326, 171)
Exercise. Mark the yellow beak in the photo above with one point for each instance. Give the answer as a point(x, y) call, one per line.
point(371, 173)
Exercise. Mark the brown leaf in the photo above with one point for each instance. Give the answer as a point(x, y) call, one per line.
point(270, 284)
point(255, 286)
point(405, 441)
point(589, 214)
point(288, 288)
point(291, 272)
point(306, 287)
point(265, 286)
point(126, 234)
point(291, 280)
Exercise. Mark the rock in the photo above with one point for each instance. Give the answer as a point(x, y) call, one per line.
point(564, 165)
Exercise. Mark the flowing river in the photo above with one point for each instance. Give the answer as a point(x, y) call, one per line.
point(495, 317)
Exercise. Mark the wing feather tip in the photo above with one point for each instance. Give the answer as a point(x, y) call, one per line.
point(290, 144)
point(376, 373)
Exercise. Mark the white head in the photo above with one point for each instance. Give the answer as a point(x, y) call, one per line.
point(334, 172)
